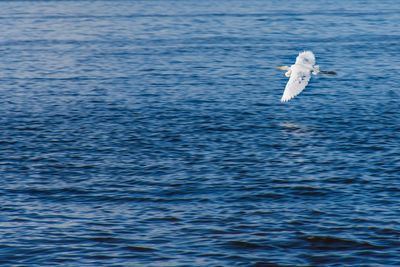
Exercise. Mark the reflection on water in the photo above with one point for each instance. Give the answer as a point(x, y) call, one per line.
point(295, 128)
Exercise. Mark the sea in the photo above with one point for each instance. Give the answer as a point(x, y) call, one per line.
point(151, 133)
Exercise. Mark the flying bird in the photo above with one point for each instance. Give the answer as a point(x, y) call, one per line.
point(299, 74)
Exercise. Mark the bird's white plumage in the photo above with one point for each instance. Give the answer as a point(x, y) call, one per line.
point(299, 75)
point(298, 80)
point(306, 58)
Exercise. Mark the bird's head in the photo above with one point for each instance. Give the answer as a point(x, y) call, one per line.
point(306, 58)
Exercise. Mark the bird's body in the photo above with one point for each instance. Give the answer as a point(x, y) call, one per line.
point(299, 74)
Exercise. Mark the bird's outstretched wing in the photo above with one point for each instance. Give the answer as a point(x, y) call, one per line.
point(297, 82)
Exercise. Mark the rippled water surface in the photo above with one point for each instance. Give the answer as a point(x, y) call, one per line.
point(150, 133)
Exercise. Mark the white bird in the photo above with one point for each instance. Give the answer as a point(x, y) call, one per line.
point(299, 74)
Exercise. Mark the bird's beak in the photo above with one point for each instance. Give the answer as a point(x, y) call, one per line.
point(281, 67)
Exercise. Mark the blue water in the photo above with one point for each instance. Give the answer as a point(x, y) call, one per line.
point(150, 133)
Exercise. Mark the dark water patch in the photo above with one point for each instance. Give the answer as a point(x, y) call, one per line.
point(246, 245)
point(101, 257)
point(165, 219)
point(105, 240)
point(139, 249)
point(334, 243)
point(311, 191)
point(261, 197)
point(270, 264)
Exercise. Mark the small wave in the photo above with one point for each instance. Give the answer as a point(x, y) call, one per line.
point(310, 191)
point(139, 249)
point(246, 245)
point(167, 219)
point(268, 264)
point(329, 243)
point(105, 239)
point(261, 196)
